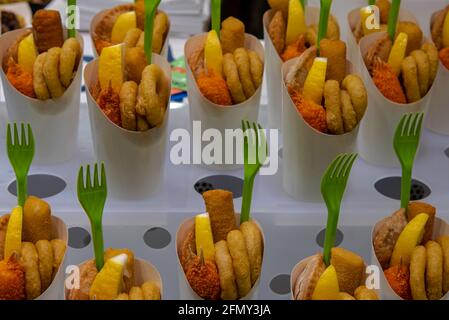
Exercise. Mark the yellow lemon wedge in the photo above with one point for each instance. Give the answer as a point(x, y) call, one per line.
point(213, 54)
point(27, 53)
point(203, 236)
point(110, 67)
point(296, 24)
point(397, 53)
point(314, 84)
point(446, 31)
point(368, 19)
point(327, 287)
point(122, 25)
point(13, 239)
point(409, 238)
point(107, 284)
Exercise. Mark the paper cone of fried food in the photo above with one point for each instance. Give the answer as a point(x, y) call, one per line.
point(382, 115)
point(54, 121)
point(144, 271)
point(134, 160)
point(55, 290)
point(306, 152)
point(213, 116)
point(438, 117)
point(440, 228)
point(182, 237)
point(274, 67)
point(103, 22)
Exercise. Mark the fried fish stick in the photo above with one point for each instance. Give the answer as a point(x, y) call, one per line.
point(59, 247)
point(333, 107)
point(241, 58)
point(70, 56)
point(51, 73)
point(45, 253)
point(232, 35)
point(423, 65)
point(151, 291)
point(240, 261)
point(444, 243)
point(223, 260)
point(30, 262)
point(220, 206)
point(132, 37)
point(128, 98)
point(418, 273)
point(254, 246)
point(256, 68)
point(434, 270)
point(136, 293)
point(47, 30)
point(335, 52)
point(40, 87)
point(231, 74)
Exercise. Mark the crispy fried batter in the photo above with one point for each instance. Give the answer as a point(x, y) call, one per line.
point(348, 112)
point(308, 279)
point(47, 30)
point(203, 278)
point(256, 68)
point(240, 261)
point(232, 35)
point(226, 271)
point(88, 272)
point(128, 98)
point(434, 270)
point(444, 243)
point(242, 61)
point(231, 74)
point(379, 50)
point(151, 291)
point(29, 260)
point(3, 226)
point(135, 63)
point(214, 88)
point(384, 8)
point(277, 29)
point(70, 57)
point(220, 206)
point(20, 79)
point(333, 107)
point(415, 208)
point(59, 247)
point(388, 83)
point(12, 280)
point(295, 49)
point(414, 33)
point(410, 78)
point(432, 54)
point(297, 76)
point(423, 65)
point(51, 73)
point(254, 246)
point(312, 113)
point(437, 27)
point(45, 253)
point(132, 37)
point(40, 87)
point(418, 273)
point(335, 52)
point(399, 279)
point(109, 103)
point(354, 85)
point(363, 293)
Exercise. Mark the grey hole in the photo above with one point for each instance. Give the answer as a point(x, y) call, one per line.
point(78, 237)
point(157, 238)
point(391, 187)
point(321, 235)
point(446, 152)
point(281, 153)
point(280, 284)
point(223, 182)
point(41, 185)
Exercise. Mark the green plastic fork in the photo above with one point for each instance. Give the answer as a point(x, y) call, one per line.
point(150, 14)
point(333, 186)
point(93, 198)
point(255, 149)
point(406, 142)
point(20, 154)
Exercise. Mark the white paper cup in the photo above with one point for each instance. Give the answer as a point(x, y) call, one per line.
point(441, 228)
point(100, 16)
point(438, 117)
point(54, 121)
point(382, 116)
point(134, 160)
point(144, 271)
point(55, 290)
point(274, 67)
point(185, 290)
point(307, 153)
point(214, 116)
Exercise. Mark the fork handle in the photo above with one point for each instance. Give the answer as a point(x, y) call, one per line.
point(331, 232)
point(248, 185)
point(97, 236)
point(406, 186)
point(21, 190)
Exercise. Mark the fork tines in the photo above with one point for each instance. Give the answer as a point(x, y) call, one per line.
point(23, 141)
point(410, 125)
point(98, 182)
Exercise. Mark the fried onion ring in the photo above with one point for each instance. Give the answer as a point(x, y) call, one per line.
point(241, 58)
point(45, 252)
point(70, 55)
point(418, 273)
point(30, 262)
point(39, 84)
point(51, 72)
point(231, 74)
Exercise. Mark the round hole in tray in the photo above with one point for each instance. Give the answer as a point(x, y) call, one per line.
point(79, 238)
point(321, 235)
point(223, 182)
point(391, 188)
point(41, 185)
point(157, 238)
point(280, 284)
point(281, 153)
point(446, 152)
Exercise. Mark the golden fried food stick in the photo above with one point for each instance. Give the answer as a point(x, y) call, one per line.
point(277, 30)
point(432, 54)
point(153, 95)
point(241, 58)
point(29, 260)
point(335, 52)
point(51, 73)
point(59, 247)
point(232, 78)
point(161, 23)
point(3, 226)
point(223, 260)
point(332, 103)
point(128, 98)
point(350, 269)
point(415, 208)
point(363, 293)
point(151, 291)
point(45, 252)
point(349, 115)
point(220, 206)
point(36, 220)
point(40, 86)
point(333, 31)
point(122, 296)
point(136, 293)
point(132, 37)
point(354, 85)
point(47, 30)
point(434, 270)
point(254, 246)
point(240, 261)
point(418, 273)
point(410, 77)
point(232, 35)
point(128, 275)
point(142, 124)
point(444, 243)
point(70, 56)
point(135, 63)
point(423, 65)
point(256, 68)
point(414, 33)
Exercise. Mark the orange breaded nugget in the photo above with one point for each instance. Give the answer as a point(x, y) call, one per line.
point(47, 30)
point(220, 206)
point(12, 280)
point(312, 113)
point(20, 79)
point(214, 88)
point(415, 208)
